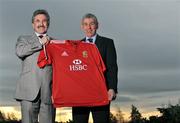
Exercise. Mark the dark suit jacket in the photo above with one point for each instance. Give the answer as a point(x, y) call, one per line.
point(108, 53)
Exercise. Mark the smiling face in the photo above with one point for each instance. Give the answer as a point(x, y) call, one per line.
point(40, 24)
point(89, 26)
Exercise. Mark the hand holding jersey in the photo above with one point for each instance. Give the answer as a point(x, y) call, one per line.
point(44, 40)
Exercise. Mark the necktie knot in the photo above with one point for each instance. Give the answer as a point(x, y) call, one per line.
point(90, 40)
point(40, 36)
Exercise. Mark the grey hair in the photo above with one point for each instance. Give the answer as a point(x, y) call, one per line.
point(89, 15)
point(41, 11)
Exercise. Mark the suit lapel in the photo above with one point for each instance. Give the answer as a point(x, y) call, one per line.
point(98, 41)
point(84, 39)
point(34, 38)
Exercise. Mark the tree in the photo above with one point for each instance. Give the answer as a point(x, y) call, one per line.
point(11, 117)
point(154, 119)
point(170, 114)
point(119, 116)
point(135, 115)
point(69, 121)
point(112, 118)
point(2, 116)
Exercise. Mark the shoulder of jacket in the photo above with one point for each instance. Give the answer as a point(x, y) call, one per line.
point(25, 36)
point(105, 39)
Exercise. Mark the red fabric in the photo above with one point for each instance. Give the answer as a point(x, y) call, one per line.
point(78, 78)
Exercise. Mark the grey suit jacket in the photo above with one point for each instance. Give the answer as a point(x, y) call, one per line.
point(32, 79)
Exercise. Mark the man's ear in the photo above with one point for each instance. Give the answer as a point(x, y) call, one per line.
point(81, 26)
point(33, 25)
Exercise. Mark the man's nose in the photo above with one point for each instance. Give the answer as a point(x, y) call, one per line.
point(40, 23)
point(89, 26)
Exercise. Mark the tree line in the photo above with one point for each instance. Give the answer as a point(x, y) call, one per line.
point(169, 114)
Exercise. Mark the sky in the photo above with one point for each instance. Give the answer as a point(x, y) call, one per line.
point(146, 34)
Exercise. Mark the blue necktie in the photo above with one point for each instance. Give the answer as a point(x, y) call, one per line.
point(90, 40)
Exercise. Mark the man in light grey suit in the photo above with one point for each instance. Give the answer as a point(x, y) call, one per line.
point(34, 85)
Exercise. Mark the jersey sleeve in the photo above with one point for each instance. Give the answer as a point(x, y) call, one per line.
point(98, 58)
point(44, 57)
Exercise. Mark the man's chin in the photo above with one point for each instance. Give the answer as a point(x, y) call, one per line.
point(90, 35)
point(42, 32)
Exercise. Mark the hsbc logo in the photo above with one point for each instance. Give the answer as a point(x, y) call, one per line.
point(77, 66)
point(77, 61)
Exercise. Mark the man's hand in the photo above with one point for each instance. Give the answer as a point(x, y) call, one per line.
point(45, 40)
point(111, 94)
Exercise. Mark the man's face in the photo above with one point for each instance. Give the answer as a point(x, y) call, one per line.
point(40, 24)
point(89, 27)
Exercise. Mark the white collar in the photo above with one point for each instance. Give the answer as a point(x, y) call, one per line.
point(40, 34)
point(93, 37)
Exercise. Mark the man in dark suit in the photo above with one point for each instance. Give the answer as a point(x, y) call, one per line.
point(34, 84)
point(107, 50)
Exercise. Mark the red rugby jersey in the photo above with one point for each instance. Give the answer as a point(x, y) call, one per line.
point(78, 78)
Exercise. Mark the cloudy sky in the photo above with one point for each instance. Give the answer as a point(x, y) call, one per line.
point(146, 34)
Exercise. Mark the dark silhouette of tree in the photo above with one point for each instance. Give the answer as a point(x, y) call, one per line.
point(135, 115)
point(154, 119)
point(8, 118)
point(171, 114)
point(119, 116)
point(11, 117)
point(112, 118)
point(69, 121)
point(2, 116)
point(145, 120)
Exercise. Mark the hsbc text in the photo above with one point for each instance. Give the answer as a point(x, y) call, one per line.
point(77, 67)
